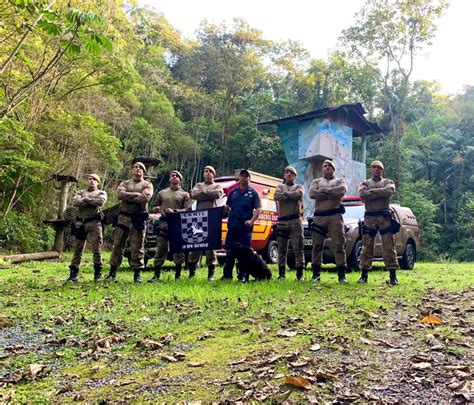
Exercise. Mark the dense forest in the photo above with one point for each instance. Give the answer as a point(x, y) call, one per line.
point(86, 86)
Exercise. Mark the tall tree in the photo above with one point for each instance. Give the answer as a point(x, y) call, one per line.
point(388, 36)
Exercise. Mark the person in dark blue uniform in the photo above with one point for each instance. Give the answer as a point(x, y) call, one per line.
point(244, 207)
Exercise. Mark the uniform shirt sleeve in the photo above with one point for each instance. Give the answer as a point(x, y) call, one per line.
point(187, 203)
point(388, 190)
point(364, 192)
point(145, 194)
point(215, 193)
point(122, 191)
point(339, 189)
point(100, 200)
point(198, 193)
point(77, 200)
point(257, 203)
point(296, 194)
point(230, 202)
point(279, 196)
point(314, 191)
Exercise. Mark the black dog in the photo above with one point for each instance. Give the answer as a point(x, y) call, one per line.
point(250, 264)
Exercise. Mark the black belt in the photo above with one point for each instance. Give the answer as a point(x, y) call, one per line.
point(288, 217)
point(379, 213)
point(131, 214)
point(326, 213)
point(89, 219)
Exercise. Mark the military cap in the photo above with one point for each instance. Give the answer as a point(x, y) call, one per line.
point(377, 163)
point(177, 174)
point(211, 169)
point(94, 176)
point(330, 163)
point(244, 171)
point(291, 169)
point(141, 165)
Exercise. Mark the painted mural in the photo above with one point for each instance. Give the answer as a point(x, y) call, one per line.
point(308, 143)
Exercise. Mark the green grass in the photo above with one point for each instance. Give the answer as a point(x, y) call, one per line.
point(244, 320)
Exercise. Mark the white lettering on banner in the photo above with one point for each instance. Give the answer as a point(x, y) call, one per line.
point(194, 214)
point(195, 245)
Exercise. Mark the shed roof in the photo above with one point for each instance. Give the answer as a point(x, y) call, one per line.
point(350, 115)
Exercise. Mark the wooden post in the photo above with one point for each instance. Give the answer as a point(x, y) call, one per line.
point(363, 148)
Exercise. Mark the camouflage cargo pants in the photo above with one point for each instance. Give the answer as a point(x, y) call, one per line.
point(290, 230)
point(93, 230)
point(211, 257)
point(122, 231)
point(163, 245)
point(332, 225)
point(389, 254)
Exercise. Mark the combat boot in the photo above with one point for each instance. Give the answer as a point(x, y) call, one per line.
point(136, 276)
point(281, 272)
point(341, 274)
point(97, 272)
point(210, 272)
point(364, 276)
point(112, 274)
point(393, 277)
point(299, 274)
point(192, 269)
point(156, 276)
point(177, 274)
point(316, 272)
point(73, 273)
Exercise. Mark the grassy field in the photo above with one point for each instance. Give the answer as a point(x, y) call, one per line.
point(194, 340)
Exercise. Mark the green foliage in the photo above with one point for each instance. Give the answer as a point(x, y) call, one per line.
point(19, 232)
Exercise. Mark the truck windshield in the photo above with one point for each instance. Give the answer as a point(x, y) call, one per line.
point(354, 212)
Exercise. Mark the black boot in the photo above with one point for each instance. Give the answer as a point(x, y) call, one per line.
point(281, 272)
point(97, 272)
point(316, 272)
point(73, 273)
point(192, 269)
point(299, 274)
point(210, 272)
point(364, 276)
point(177, 274)
point(136, 276)
point(341, 274)
point(156, 276)
point(393, 277)
point(112, 274)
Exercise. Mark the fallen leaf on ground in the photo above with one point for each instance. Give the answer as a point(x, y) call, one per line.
point(315, 347)
point(10, 378)
point(64, 389)
point(34, 370)
point(97, 368)
point(196, 363)
point(6, 396)
point(299, 363)
point(168, 357)
point(431, 320)
point(287, 333)
point(421, 366)
point(149, 344)
point(206, 335)
point(298, 381)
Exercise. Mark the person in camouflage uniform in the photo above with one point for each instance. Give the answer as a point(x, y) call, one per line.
point(376, 193)
point(327, 221)
point(134, 195)
point(88, 226)
point(170, 200)
point(289, 198)
point(207, 195)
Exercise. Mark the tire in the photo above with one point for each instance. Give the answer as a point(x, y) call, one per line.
point(270, 254)
point(353, 260)
point(408, 259)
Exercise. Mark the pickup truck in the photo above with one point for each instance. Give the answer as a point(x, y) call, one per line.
point(407, 241)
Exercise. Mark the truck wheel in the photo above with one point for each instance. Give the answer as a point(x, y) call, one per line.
point(270, 254)
point(353, 260)
point(409, 257)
